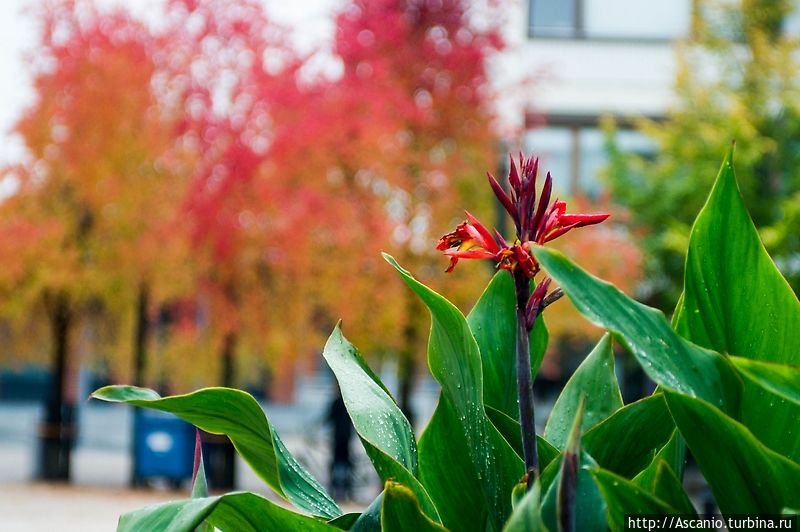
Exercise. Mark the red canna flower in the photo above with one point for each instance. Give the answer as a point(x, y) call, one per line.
point(536, 223)
point(516, 255)
point(540, 221)
point(470, 240)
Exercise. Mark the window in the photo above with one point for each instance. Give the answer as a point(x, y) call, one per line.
point(610, 19)
point(575, 155)
point(554, 18)
point(554, 146)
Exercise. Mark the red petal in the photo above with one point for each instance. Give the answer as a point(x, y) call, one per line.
point(503, 197)
point(526, 261)
point(500, 239)
point(538, 221)
point(462, 233)
point(442, 244)
point(474, 253)
point(558, 232)
point(513, 176)
point(532, 308)
point(582, 220)
point(198, 455)
point(488, 240)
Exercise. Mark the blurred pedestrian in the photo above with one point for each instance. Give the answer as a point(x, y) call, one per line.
point(341, 468)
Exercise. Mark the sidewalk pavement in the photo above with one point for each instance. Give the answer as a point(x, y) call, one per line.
point(98, 494)
point(40, 507)
point(43, 507)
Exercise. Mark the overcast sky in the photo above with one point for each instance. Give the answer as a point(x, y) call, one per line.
point(310, 20)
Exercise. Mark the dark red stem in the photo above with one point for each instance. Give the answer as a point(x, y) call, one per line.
point(525, 379)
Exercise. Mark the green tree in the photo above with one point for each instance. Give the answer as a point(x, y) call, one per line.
point(735, 81)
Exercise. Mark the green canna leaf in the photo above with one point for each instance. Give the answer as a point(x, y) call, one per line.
point(623, 498)
point(455, 362)
point(666, 357)
point(446, 467)
point(590, 508)
point(638, 430)
point(780, 379)
point(527, 515)
point(237, 415)
point(735, 301)
point(401, 511)
point(595, 379)
point(745, 476)
point(510, 430)
point(493, 324)
point(384, 431)
point(659, 480)
point(243, 512)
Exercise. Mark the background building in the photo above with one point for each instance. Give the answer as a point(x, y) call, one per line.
point(586, 59)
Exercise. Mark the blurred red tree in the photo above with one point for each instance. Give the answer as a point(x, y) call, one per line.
point(399, 141)
point(230, 73)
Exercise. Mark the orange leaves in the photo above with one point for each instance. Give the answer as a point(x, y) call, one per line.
point(195, 158)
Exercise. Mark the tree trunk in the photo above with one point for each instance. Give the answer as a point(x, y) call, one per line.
point(227, 372)
point(57, 433)
point(407, 365)
point(140, 336)
point(221, 456)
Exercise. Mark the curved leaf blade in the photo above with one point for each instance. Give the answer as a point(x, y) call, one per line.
point(666, 357)
point(493, 324)
point(594, 378)
point(623, 497)
point(237, 415)
point(370, 519)
point(638, 430)
point(779, 379)
point(527, 515)
point(745, 475)
point(734, 299)
point(660, 481)
point(375, 415)
point(445, 468)
point(245, 512)
point(510, 430)
point(384, 431)
point(590, 508)
point(454, 361)
point(673, 453)
point(401, 511)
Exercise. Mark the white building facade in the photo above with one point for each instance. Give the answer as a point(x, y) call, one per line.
point(587, 59)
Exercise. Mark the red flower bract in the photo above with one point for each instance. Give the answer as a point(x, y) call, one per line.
point(470, 240)
point(536, 222)
point(540, 221)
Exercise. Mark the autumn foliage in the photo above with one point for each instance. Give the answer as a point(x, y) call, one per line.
point(199, 185)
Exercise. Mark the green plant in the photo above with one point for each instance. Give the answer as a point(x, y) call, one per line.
point(729, 389)
point(751, 96)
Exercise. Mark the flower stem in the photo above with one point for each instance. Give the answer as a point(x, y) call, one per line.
point(525, 380)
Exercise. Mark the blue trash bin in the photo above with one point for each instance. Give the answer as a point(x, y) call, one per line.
point(163, 447)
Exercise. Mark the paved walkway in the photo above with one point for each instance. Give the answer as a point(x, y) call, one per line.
point(42, 507)
point(38, 507)
point(98, 494)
